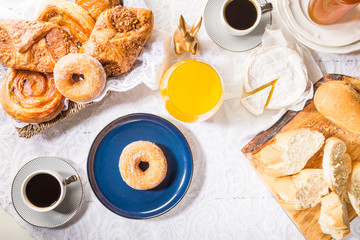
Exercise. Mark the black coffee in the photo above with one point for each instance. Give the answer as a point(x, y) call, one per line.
point(43, 190)
point(240, 14)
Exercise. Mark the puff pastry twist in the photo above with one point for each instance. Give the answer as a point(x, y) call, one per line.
point(31, 45)
point(71, 17)
point(118, 37)
point(96, 7)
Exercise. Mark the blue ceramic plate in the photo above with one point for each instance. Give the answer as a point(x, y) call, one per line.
point(104, 174)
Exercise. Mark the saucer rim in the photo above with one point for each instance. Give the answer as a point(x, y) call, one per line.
point(76, 209)
point(231, 50)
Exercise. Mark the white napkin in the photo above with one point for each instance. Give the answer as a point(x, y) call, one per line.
point(251, 124)
point(147, 69)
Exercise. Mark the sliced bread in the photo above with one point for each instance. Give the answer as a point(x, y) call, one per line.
point(354, 187)
point(290, 152)
point(334, 216)
point(302, 190)
point(336, 164)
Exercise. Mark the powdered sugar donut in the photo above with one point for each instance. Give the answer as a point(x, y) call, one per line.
point(142, 152)
point(82, 65)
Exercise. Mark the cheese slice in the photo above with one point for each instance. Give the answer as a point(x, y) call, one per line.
point(282, 63)
point(256, 102)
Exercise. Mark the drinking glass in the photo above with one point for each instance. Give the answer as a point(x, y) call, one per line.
point(329, 11)
point(192, 90)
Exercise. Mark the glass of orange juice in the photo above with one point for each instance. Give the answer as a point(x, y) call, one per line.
point(192, 90)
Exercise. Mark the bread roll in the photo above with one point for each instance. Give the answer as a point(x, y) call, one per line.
point(339, 101)
point(300, 191)
point(354, 187)
point(336, 164)
point(333, 216)
point(290, 152)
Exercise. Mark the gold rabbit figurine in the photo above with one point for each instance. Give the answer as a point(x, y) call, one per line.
point(184, 37)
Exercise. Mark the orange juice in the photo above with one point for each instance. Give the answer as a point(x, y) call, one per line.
point(191, 90)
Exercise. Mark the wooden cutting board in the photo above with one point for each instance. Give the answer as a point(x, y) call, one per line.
point(306, 220)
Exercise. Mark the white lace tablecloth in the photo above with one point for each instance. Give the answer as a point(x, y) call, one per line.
point(226, 199)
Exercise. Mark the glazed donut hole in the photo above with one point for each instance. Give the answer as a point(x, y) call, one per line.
point(77, 77)
point(144, 165)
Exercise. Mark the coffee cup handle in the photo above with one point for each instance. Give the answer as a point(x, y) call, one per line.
point(70, 179)
point(266, 7)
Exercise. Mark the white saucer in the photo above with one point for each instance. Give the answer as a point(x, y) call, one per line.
point(222, 38)
point(300, 37)
point(65, 211)
point(344, 32)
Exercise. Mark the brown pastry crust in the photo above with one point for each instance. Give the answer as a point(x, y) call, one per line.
point(118, 37)
point(30, 97)
point(71, 17)
point(96, 7)
point(34, 46)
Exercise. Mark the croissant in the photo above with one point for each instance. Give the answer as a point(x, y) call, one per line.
point(31, 45)
point(30, 96)
point(96, 7)
point(118, 37)
point(71, 17)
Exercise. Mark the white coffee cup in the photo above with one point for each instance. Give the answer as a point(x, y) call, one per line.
point(260, 9)
point(62, 184)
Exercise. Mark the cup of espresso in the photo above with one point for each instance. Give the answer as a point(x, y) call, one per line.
point(240, 17)
point(44, 190)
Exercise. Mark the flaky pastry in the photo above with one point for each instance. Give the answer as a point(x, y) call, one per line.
point(71, 17)
point(118, 37)
point(31, 45)
point(96, 7)
point(30, 97)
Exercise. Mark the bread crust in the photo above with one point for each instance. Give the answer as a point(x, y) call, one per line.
point(300, 191)
point(333, 216)
point(354, 187)
point(339, 101)
point(336, 164)
point(289, 153)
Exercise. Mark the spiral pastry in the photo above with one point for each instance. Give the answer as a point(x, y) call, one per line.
point(30, 96)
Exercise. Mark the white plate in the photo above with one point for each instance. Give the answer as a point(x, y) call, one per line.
point(65, 211)
point(295, 32)
point(344, 32)
point(227, 41)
